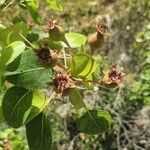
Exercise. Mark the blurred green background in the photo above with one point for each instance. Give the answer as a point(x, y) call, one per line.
point(128, 47)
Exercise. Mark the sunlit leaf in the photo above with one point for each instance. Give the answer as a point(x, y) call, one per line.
point(20, 106)
point(11, 52)
point(82, 65)
point(54, 4)
point(12, 34)
point(75, 40)
point(33, 9)
point(1, 112)
point(2, 27)
point(2, 2)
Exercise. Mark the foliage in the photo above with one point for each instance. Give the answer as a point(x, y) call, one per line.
point(27, 77)
point(29, 68)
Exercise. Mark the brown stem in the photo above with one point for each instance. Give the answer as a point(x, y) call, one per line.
point(85, 80)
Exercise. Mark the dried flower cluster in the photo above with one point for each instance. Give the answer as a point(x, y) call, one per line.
point(62, 82)
point(114, 76)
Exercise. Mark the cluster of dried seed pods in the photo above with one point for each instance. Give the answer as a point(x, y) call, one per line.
point(62, 80)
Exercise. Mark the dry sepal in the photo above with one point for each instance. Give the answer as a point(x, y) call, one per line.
point(63, 83)
point(56, 32)
point(47, 57)
point(114, 76)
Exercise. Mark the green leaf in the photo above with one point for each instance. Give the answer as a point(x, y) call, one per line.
point(94, 122)
point(18, 18)
point(1, 113)
point(12, 34)
point(2, 27)
point(82, 65)
point(2, 81)
point(52, 44)
point(75, 40)
point(2, 2)
point(33, 6)
point(147, 35)
point(38, 133)
point(39, 102)
point(30, 74)
point(54, 4)
point(75, 98)
point(11, 52)
point(20, 106)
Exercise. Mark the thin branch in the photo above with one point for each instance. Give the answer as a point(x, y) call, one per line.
point(85, 80)
point(28, 41)
point(65, 60)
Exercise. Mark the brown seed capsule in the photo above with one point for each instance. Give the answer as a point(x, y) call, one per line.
point(56, 32)
point(47, 57)
point(96, 40)
point(101, 25)
point(63, 82)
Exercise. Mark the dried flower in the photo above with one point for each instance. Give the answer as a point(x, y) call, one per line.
point(46, 56)
point(50, 24)
point(114, 76)
point(62, 82)
point(101, 25)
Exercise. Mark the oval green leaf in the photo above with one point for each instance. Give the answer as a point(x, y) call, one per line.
point(82, 65)
point(12, 34)
point(75, 40)
point(94, 122)
point(19, 106)
point(54, 4)
point(12, 51)
point(75, 98)
point(38, 133)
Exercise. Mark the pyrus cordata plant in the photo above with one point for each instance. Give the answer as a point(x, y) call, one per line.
point(29, 64)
